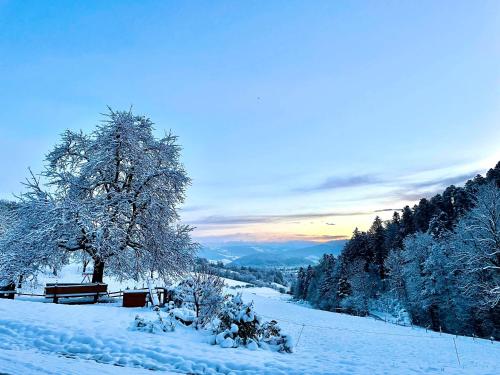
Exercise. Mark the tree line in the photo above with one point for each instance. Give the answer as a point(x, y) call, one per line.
point(261, 277)
point(436, 265)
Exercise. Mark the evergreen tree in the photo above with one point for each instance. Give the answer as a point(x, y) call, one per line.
point(407, 222)
point(440, 261)
point(377, 245)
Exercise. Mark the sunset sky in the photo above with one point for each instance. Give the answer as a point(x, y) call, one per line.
point(298, 119)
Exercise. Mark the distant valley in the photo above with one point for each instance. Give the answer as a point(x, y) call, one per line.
point(274, 254)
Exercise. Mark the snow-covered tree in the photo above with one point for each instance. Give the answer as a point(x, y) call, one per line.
point(112, 194)
point(7, 217)
point(438, 284)
point(327, 282)
point(416, 249)
point(201, 292)
point(477, 246)
point(24, 246)
point(6, 209)
point(397, 281)
point(442, 259)
point(361, 285)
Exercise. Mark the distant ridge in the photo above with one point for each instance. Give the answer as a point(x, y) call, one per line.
point(229, 251)
point(291, 258)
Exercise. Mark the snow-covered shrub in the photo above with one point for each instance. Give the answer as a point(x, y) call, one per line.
point(237, 321)
point(201, 293)
point(183, 315)
point(238, 325)
point(354, 304)
point(270, 335)
point(153, 326)
point(390, 308)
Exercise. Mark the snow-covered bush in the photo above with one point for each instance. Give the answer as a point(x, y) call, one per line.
point(270, 335)
point(153, 326)
point(389, 307)
point(238, 325)
point(201, 293)
point(183, 315)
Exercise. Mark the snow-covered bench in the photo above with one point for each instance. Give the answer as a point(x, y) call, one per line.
point(7, 291)
point(71, 290)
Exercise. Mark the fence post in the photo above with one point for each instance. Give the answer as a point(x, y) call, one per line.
point(300, 334)
point(456, 351)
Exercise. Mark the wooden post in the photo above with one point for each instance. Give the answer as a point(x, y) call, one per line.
point(456, 351)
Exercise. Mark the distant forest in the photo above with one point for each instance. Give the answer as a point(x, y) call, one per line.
point(436, 265)
point(258, 276)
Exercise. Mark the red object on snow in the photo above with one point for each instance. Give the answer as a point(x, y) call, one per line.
point(135, 298)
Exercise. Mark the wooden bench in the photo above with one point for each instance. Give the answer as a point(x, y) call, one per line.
point(7, 291)
point(72, 290)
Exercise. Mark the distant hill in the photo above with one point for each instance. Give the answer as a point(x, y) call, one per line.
point(290, 258)
point(230, 251)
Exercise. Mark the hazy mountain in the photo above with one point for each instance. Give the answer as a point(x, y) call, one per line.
point(292, 257)
point(230, 251)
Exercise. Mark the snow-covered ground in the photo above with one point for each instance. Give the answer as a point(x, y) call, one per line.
point(45, 338)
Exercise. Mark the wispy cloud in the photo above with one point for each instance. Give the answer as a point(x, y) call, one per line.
point(323, 237)
point(415, 191)
point(194, 208)
point(404, 183)
point(405, 195)
point(338, 182)
point(266, 237)
point(447, 181)
point(390, 191)
point(257, 219)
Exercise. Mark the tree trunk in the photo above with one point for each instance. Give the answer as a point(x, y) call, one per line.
point(20, 282)
point(436, 326)
point(85, 264)
point(98, 273)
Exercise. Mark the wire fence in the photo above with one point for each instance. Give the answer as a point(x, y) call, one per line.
point(433, 335)
point(119, 293)
point(343, 329)
point(430, 334)
point(359, 331)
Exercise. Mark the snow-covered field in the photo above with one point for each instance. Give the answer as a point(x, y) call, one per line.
point(44, 338)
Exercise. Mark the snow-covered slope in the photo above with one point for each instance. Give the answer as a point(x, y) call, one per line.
point(44, 338)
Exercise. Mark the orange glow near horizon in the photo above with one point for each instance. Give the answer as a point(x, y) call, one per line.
point(311, 230)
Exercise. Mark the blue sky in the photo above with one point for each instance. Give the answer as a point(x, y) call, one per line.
point(293, 115)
